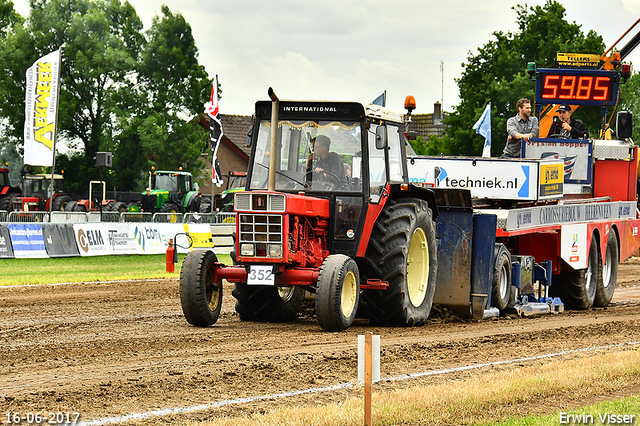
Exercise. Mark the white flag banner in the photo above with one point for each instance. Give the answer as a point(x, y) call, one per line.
point(41, 105)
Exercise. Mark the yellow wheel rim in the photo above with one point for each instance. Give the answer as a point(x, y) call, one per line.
point(418, 267)
point(286, 293)
point(213, 296)
point(349, 294)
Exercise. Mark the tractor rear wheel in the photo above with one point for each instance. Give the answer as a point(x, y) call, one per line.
point(267, 303)
point(70, 206)
point(608, 272)
point(338, 292)
point(402, 251)
point(200, 296)
point(119, 207)
point(60, 202)
point(6, 203)
point(170, 208)
point(577, 289)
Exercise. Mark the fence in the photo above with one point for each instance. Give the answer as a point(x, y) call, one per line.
point(217, 218)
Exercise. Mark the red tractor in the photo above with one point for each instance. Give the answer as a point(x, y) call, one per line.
point(7, 192)
point(34, 194)
point(327, 209)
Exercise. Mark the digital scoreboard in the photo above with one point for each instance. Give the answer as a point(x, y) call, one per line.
point(576, 86)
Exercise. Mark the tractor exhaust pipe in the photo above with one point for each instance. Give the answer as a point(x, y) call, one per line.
point(275, 106)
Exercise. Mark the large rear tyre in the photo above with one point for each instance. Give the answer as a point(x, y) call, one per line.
point(119, 207)
point(578, 288)
point(60, 202)
point(267, 303)
point(200, 296)
point(70, 206)
point(501, 283)
point(402, 251)
point(170, 208)
point(608, 276)
point(338, 292)
point(6, 203)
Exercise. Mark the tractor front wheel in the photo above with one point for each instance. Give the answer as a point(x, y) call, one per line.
point(200, 295)
point(338, 292)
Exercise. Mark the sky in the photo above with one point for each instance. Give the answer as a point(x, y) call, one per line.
point(346, 50)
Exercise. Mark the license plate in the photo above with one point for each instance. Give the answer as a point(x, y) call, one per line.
point(261, 275)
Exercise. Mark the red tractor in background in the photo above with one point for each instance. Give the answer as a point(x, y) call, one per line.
point(7, 192)
point(33, 195)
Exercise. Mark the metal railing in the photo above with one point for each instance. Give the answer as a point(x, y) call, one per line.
point(68, 217)
point(28, 217)
point(168, 217)
point(216, 218)
point(136, 217)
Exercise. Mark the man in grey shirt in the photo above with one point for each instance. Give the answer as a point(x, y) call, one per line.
point(522, 127)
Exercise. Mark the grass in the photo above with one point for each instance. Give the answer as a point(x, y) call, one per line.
point(629, 406)
point(84, 269)
point(509, 397)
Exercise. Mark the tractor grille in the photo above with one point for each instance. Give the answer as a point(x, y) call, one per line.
point(260, 235)
point(257, 201)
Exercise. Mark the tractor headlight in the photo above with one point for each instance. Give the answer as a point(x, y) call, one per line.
point(246, 249)
point(275, 250)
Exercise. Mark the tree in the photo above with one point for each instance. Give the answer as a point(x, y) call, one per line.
point(497, 73)
point(630, 101)
point(112, 98)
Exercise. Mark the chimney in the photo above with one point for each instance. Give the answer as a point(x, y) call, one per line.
point(437, 111)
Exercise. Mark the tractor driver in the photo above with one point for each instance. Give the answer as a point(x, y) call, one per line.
point(329, 166)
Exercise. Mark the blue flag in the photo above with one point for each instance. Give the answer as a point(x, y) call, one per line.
point(483, 127)
point(381, 100)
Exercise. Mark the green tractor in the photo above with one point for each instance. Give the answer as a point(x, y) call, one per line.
point(172, 191)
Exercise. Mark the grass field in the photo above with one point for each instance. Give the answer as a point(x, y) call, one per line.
point(519, 397)
point(84, 269)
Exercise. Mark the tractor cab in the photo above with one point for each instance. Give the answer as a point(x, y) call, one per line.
point(343, 152)
point(35, 193)
point(172, 190)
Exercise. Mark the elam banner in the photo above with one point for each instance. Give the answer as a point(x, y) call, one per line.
point(41, 107)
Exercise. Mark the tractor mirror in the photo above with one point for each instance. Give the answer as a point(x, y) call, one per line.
point(196, 187)
point(381, 137)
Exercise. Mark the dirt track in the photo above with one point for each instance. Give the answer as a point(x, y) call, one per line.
point(112, 349)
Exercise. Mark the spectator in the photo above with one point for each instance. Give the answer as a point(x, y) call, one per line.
point(148, 203)
point(522, 127)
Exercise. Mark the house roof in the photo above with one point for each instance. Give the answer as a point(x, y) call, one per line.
point(235, 128)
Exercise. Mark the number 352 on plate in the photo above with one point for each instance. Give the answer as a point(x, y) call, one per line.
point(261, 275)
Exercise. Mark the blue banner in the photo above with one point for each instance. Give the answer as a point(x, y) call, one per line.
point(27, 240)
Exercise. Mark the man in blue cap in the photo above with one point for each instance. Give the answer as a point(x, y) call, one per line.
point(565, 126)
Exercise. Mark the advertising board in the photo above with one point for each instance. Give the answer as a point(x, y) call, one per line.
point(27, 240)
point(485, 177)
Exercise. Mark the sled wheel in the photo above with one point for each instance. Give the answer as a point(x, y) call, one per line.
point(501, 283)
point(578, 288)
point(608, 272)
